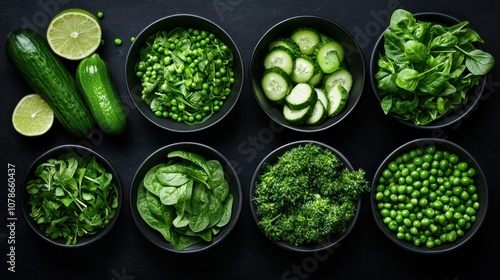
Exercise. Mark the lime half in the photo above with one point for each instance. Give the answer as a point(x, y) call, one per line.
point(32, 116)
point(74, 34)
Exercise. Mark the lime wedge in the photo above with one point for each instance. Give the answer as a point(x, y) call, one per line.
point(32, 116)
point(74, 34)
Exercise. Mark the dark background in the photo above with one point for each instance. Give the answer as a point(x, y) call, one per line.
point(365, 137)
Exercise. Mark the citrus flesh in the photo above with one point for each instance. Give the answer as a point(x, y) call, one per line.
point(74, 34)
point(32, 116)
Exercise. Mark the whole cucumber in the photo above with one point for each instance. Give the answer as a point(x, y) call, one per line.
point(93, 78)
point(31, 55)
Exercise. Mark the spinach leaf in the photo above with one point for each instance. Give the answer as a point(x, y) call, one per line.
point(402, 23)
point(408, 79)
point(151, 182)
point(193, 157)
point(172, 175)
point(200, 216)
point(227, 210)
point(478, 62)
point(415, 51)
point(428, 60)
point(394, 47)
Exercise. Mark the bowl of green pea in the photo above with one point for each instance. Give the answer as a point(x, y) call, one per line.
point(429, 196)
point(184, 73)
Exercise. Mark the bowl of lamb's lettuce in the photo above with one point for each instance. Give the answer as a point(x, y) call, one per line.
point(428, 69)
point(71, 196)
point(306, 196)
point(186, 197)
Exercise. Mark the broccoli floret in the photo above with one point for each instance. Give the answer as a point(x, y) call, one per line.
point(307, 195)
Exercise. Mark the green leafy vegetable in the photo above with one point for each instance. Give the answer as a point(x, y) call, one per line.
point(426, 68)
point(72, 197)
point(186, 199)
point(307, 195)
point(186, 74)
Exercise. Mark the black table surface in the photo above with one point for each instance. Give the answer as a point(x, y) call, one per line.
point(245, 137)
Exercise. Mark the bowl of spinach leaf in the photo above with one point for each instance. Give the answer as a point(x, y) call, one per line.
point(428, 70)
point(184, 73)
point(71, 196)
point(186, 197)
point(306, 196)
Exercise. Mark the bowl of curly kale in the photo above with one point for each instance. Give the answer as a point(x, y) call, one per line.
point(306, 196)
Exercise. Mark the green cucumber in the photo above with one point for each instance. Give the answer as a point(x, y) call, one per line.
point(288, 43)
point(31, 55)
point(330, 55)
point(304, 69)
point(301, 96)
point(281, 57)
point(307, 39)
point(94, 81)
point(337, 96)
point(339, 77)
point(276, 84)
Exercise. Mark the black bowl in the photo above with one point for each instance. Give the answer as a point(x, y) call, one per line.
point(451, 117)
point(78, 151)
point(167, 24)
point(479, 182)
point(160, 156)
point(334, 239)
point(353, 58)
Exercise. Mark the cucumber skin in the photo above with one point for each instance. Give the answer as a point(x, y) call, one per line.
point(93, 78)
point(32, 57)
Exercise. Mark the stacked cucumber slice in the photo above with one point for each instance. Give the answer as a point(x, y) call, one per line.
point(306, 74)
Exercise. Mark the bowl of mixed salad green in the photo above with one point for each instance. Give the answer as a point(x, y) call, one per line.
point(305, 196)
point(428, 70)
point(307, 73)
point(71, 196)
point(186, 197)
point(429, 196)
point(184, 73)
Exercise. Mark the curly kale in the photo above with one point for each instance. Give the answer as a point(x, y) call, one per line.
point(307, 195)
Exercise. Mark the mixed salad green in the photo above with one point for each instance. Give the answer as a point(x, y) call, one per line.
point(186, 74)
point(72, 197)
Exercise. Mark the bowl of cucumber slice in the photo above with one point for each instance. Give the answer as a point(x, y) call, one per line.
point(307, 73)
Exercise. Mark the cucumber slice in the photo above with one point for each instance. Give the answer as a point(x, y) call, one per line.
point(307, 39)
point(318, 114)
point(330, 55)
point(337, 96)
point(304, 69)
point(316, 78)
point(281, 57)
point(301, 96)
point(340, 77)
point(287, 43)
point(297, 117)
point(323, 97)
point(276, 84)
